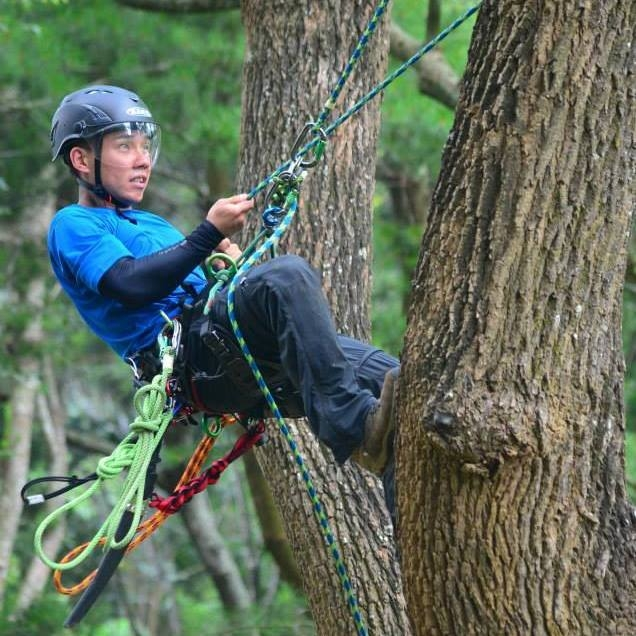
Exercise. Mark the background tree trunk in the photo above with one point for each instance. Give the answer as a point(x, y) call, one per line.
point(29, 293)
point(511, 441)
point(271, 523)
point(14, 468)
point(52, 416)
point(199, 519)
point(201, 525)
point(295, 51)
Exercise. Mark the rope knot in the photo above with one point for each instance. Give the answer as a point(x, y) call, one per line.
point(118, 461)
point(142, 425)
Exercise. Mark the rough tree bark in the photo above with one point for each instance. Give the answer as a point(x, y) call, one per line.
point(515, 518)
point(294, 53)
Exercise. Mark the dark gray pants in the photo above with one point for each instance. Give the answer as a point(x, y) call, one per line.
point(285, 321)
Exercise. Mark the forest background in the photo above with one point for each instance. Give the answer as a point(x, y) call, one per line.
point(188, 69)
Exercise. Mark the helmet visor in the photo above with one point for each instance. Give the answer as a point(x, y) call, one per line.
point(130, 143)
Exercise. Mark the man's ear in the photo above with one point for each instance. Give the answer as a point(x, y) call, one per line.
point(79, 159)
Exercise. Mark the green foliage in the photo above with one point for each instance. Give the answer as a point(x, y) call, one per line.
point(188, 70)
point(629, 337)
point(284, 617)
point(5, 423)
point(414, 130)
point(45, 618)
point(414, 127)
point(395, 251)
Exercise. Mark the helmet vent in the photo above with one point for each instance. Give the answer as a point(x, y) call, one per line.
point(98, 113)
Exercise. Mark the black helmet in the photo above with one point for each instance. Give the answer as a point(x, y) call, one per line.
point(92, 111)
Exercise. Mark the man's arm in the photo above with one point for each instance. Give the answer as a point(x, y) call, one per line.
point(135, 282)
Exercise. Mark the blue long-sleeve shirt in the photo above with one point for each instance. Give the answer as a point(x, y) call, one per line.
point(133, 249)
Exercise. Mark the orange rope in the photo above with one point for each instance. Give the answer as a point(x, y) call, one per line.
point(151, 524)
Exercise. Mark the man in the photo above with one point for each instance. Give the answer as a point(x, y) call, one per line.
point(122, 267)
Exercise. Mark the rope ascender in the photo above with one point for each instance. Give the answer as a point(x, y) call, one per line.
point(138, 453)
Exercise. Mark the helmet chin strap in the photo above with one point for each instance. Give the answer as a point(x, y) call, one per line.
point(98, 188)
point(100, 191)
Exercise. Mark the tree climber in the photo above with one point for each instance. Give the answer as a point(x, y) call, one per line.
point(122, 266)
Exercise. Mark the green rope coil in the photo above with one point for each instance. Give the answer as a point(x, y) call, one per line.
point(134, 454)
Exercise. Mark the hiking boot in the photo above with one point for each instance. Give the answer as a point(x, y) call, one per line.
point(379, 427)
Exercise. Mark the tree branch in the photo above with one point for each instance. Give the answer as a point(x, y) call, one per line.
point(52, 417)
point(435, 76)
point(181, 6)
point(200, 522)
point(88, 443)
point(433, 19)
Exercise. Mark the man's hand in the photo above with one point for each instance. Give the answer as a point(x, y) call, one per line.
point(227, 247)
point(229, 215)
point(231, 249)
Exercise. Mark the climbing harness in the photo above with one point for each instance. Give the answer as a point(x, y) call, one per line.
point(155, 402)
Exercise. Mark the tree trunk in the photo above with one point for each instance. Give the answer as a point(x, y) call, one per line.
point(200, 522)
point(295, 51)
point(218, 561)
point(511, 488)
point(29, 293)
point(14, 469)
point(271, 523)
point(53, 417)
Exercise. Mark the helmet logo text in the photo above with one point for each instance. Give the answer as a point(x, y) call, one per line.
point(138, 111)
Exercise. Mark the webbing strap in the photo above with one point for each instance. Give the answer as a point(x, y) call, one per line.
point(184, 493)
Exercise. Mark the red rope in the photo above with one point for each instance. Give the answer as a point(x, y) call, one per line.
point(182, 495)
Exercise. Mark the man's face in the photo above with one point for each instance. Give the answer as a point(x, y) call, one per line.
point(126, 164)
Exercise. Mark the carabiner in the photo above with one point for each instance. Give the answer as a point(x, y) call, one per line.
point(174, 339)
point(297, 160)
point(281, 185)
